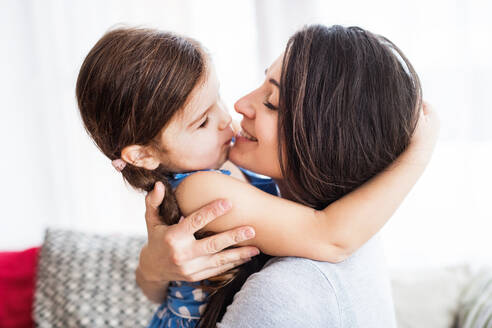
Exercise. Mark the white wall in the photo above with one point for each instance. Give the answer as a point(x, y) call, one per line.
point(52, 175)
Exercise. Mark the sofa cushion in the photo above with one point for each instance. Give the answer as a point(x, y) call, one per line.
point(17, 272)
point(476, 301)
point(428, 298)
point(87, 280)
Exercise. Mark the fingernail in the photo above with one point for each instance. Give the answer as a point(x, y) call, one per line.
point(248, 233)
point(254, 252)
point(225, 204)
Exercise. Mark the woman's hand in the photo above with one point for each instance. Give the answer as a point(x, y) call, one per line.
point(173, 253)
point(425, 135)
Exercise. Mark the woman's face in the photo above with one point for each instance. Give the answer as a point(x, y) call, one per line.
point(256, 146)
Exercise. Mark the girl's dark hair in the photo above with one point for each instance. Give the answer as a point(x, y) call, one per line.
point(129, 87)
point(348, 106)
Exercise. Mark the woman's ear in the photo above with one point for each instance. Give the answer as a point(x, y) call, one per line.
point(140, 156)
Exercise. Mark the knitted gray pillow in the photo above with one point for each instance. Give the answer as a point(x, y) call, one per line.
point(87, 280)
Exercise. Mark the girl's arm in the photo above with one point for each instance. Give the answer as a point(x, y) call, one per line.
point(286, 228)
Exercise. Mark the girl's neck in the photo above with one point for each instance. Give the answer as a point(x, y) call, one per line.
point(235, 171)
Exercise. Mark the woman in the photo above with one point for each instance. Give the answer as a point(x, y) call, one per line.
point(335, 110)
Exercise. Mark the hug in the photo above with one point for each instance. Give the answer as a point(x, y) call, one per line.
point(273, 221)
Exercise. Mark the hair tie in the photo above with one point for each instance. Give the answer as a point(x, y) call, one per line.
point(118, 164)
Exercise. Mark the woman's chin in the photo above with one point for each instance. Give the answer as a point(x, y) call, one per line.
point(246, 155)
point(233, 155)
point(239, 156)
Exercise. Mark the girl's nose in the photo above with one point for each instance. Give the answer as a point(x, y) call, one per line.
point(245, 106)
point(225, 117)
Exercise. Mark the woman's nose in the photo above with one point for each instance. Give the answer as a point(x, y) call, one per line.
point(245, 106)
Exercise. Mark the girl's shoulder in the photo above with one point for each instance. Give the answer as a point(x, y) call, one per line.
point(221, 183)
point(176, 178)
point(262, 182)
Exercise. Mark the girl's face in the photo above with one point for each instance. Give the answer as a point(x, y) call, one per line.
point(199, 136)
point(256, 146)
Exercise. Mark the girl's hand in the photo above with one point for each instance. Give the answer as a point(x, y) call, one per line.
point(425, 135)
point(173, 253)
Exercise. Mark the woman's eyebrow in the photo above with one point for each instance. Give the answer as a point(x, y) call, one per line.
point(272, 81)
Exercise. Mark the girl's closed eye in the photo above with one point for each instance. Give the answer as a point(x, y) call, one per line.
point(204, 123)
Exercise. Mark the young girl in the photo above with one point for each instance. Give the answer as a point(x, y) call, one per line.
point(150, 102)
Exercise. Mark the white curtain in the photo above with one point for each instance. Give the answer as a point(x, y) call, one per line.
point(52, 175)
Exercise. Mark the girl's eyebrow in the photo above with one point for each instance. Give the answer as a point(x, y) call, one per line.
point(206, 110)
point(198, 118)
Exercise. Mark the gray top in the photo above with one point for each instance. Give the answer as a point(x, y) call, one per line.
point(297, 292)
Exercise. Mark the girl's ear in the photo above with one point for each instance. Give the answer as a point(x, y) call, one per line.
point(140, 156)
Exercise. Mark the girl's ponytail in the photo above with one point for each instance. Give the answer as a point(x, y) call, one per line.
point(145, 180)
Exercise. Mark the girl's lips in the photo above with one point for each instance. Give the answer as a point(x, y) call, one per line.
point(228, 142)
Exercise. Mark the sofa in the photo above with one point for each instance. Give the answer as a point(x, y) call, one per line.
point(80, 279)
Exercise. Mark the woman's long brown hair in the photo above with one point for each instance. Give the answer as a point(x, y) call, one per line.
point(348, 107)
point(349, 103)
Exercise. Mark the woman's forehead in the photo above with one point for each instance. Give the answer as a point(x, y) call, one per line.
point(276, 67)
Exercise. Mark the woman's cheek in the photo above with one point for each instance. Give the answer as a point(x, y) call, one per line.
point(269, 129)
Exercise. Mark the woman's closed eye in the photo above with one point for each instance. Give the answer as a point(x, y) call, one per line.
point(269, 105)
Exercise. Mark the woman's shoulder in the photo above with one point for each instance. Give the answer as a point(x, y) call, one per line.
point(345, 289)
point(283, 284)
point(367, 264)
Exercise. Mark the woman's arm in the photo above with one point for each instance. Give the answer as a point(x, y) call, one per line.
point(286, 228)
point(155, 291)
point(173, 253)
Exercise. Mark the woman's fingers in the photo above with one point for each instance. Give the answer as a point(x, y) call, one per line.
point(219, 260)
point(184, 256)
point(205, 274)
point(152, 201)
point(216, 243)
point(231, 256)
point(200, 218)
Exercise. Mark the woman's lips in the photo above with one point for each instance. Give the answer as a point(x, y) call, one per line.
point(242, 134)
